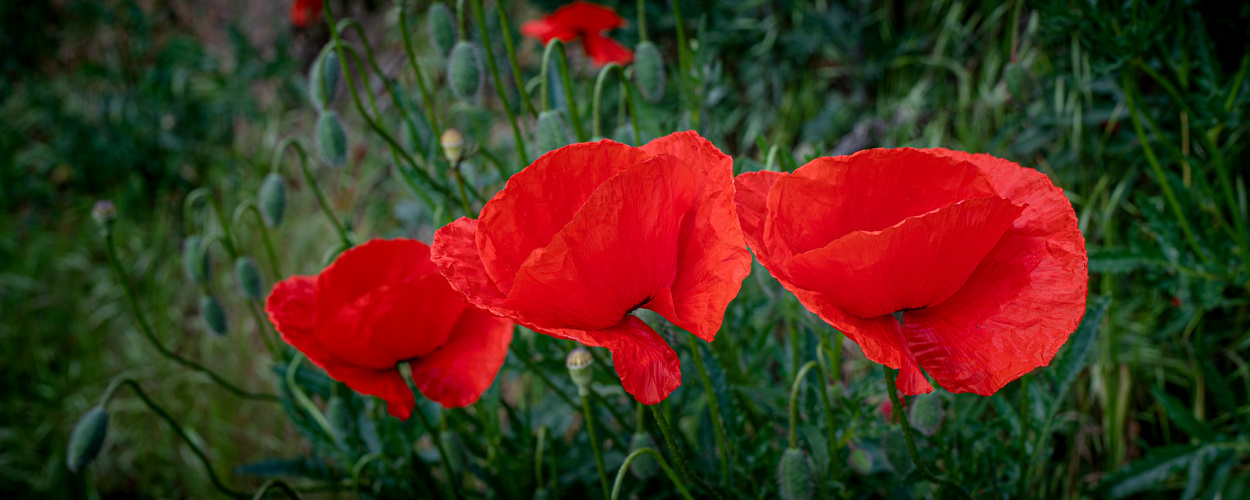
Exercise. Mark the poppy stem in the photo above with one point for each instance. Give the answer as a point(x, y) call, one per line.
point(674, 450)
point(642, 21)
point(512, 61)
point(416, 69)
point(1024, 436)
point(596, 128)
point(276, 484)
point(827, 380)
point(683, 63)
point(291, 142)
point(620, 473)
point(794, 402)
point(911, 440)
point(480, 17)
point(713, 403)
point(595, 445)
point(442, 453)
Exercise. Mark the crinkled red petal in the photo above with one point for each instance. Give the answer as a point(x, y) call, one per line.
point(459, 372)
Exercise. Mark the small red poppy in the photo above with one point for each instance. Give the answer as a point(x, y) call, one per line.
point(305, 12)
point(384, 303)
point(587, 21)
point(590, 232)
point(982, 256)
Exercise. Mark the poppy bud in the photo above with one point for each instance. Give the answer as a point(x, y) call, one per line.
point(649, 71)
point(860, 461)
point(794, 475)
point(442, 27)
point(464, 71)
point(578, 363)
point(553, 132)
point(644, 466)
point(453, 142)
point(323, 79)
point(331, 139)
point(195, 259)
point(247, 274)
point(87, 439)
point(272, 199)
point(455, 450)
point(1018, 82)
point(926, 413)
point(214, 314)
point(895, 447)
point(104, 212)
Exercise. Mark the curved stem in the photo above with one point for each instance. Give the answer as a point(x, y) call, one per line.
point(442, 453)
point(430, 111)
point(718, 426)
point(595, 126)
point(595, 445)
point(358, 468)
point(620, 473)
point(348, 23)
point(574, 115)
point(911, 441)
point(304, 401)
point(208, 466)
point(291, 142)
point(242, 210)
point(276, 484)
point(150, 334)
point(494, 73)
point(516, 68)
point(794, 402)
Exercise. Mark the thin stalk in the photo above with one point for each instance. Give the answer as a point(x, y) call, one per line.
point(563, 60)
point(516, 68)
point(642, 20)
point(494, 73)
point(538, 455)
point(416, 69)
point(1024, 436)
point(670, 439)
point(208, 466)
point(303, 400)
point(242, 210)
point(442, 453)
point(270, 344)
point(344, 25)
point(358, 468)
point(640, 426)
point(794, 402)
point(292, 142)
point(714, 406)
point(595, 445)
point(150, 334)
point(683, 63)
point(620, 473)
point(464, 198)
point(276, 484)
point(911, 441)
point(828, 380)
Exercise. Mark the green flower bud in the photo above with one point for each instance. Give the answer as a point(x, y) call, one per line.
point(649, 71)
point(442, 27)
point(272, 199)
point(214, 314)
point(323, 79)
point(552, 131)
point(579, 363)
point(464, 71)
point(860, 461)
point(895, 446)
point(104, 212)
point(794, 475)
point(644, 466)
point(331, 139)
point(1018, 81)
point(247, 274)
point(454, 448)
point(926, 413)
point(195, 259)
point(87, 439)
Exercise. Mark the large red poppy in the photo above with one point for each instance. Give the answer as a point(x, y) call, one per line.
point(587, 21)
point(590, 232)
point(305, 12)
point(982, 256)
point(384, 303)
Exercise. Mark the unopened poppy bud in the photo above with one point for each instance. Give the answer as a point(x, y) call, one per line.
point(272, 199)
point(214, 314)
point(454, 448)
point(331, 139)
point(644, 466)
point(860, 461)
point(1018, 81)
point(453, 144)
point(579, 363)
point(552, 132)
point(895, 446)
point(442, 27)
point(195, 259)
point(649, 71)
point(323, 79)
point(794, 475)
point(247, 274)
point(104, 212)
point(464, 71)
point(87, 438)
point(926, 413)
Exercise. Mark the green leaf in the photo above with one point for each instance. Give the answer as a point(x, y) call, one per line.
point(1150, 472)
point(1180, 414)
point(1120, 261)
point(1071, 360)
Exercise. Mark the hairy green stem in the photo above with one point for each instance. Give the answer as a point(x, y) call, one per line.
point(302, 155)
point(625, 93)
point(1022, 485)
point(595, 445)
point(360, 467)
point(642, 20)
point(442, 453)
point(794, 402)
point(276, 484)
point(494, 73)
point(620, 473)
point(718, 425)
point(430, 110)
point(670, 439)
point(684, 63)
point(242, 210)
point(506, 30)
point(911, 440)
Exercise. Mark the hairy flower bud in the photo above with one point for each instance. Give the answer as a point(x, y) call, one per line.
point(464, 71)
point(331, 139)
point(442, 27)
point(87, 438)
point(271, 199)
point(895, 446)
point(926, 413)
point(323, 79)
point(860, 461)
point(453, 144)
point(579, 363)
point(195, 259)
point(247, 274)
point(552, 131)
point(644, 466)
point(214, 314)
point(794, 475)
point(649, 71)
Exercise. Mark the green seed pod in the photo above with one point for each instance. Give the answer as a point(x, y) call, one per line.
point(247, 274)
point(926, 413)
point(271, 199)
point(1018, 81)
point(323, 79)
point(214, 314)
point(644, 466)
point(452, 142)
point(331, 139)
point(794, 475)
point(195, 259)
point(87, 439)
point(454, 448)
point(442, 27)
point(895, 446)
point(860, 460)
point(464, 71)
point(552, 131)
point(578, 362)
point(649, 71)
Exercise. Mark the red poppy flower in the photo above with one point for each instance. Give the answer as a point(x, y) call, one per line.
point(587, 21)
point(305, 12)
point(981, 255)
point(590, 232)
point(384, 303)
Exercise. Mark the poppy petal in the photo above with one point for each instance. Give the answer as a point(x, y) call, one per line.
point(291, 308)
point(459, 372)
point(617, 253)
point(649, 369)
point(586, 17)
point(712, 258)
point(524, 215)
point(455, 253)
point(386, 384)
point(545, 30)
point(604, 50)
point(751, 200)
point(916, 263)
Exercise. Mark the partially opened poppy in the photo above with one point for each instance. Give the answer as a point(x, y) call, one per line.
point(384, 303)
point(590, 232)
point(587, 21)
point(305, 12)
point(982, 258)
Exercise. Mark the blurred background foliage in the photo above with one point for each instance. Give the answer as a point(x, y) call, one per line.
point(1136, 109)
